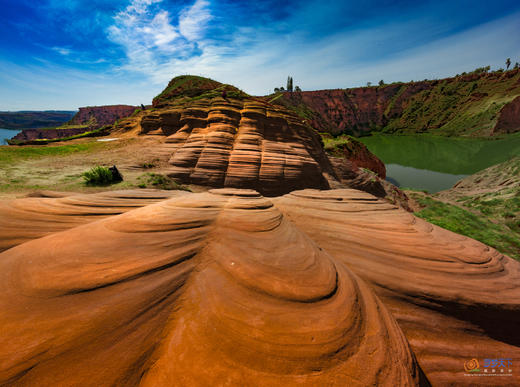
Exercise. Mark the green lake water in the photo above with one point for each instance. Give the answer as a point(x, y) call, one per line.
point(436, 163)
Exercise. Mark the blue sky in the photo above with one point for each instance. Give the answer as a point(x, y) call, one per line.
point(63, 54)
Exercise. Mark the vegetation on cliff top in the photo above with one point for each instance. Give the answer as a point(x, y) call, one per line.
point(339, 146)
point(465, 105)
point(186, 88)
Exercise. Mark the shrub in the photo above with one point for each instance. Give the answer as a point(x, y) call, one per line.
point(99, 176)
point(157, 181)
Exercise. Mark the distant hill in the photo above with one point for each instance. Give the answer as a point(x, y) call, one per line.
point(102, 115)
point(34, 119)
point(479, 104)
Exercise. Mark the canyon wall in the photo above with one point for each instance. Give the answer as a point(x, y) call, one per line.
point(472, 104)
point(103, 115)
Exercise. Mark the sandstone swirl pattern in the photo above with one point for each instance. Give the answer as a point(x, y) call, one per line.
point(33, 217)
point(455, 298)
point(231, 288)
point(204, 289)
point(240, 143)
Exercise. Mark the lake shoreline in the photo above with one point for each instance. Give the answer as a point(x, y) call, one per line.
point(408, 157)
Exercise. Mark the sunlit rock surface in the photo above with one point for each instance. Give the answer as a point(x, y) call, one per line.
point(229, 287)
point(239, 143)
point(205, 289)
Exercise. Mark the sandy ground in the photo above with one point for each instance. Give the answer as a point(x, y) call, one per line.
point(63, 172)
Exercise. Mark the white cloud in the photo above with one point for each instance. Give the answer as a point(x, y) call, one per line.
point(193, 20)
point(62, 50)
point(263, 60)
point(254, 59)
point(259, 59)
point(142, 31)
point(151, 40)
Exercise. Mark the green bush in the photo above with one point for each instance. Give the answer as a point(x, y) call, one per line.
point(157, 181)
point(98, 176)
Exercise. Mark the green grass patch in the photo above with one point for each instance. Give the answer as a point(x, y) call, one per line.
point(12, 154)
point(466, 223)
point(157, 181)
point(100, 176)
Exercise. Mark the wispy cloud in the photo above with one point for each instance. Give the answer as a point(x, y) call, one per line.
point(124, 51)
point(151, 40)
point(62, 50)
point(193, 20)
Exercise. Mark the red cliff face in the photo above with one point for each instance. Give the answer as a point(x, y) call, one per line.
point(461, 105)
point(356, 110)
point(104, 115)
point(509, 118)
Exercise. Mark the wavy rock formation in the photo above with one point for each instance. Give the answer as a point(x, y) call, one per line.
point(240, 143)
point(230, 288)
point(25, 219)
point(217, 288)
point(455, 298)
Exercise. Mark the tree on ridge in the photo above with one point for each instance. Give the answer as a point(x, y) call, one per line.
point(289, 84)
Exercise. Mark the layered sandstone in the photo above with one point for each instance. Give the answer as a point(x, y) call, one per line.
point(29, 218)
point(228, 287)
point(241, 143)
point(455, 299)
point(206, 289)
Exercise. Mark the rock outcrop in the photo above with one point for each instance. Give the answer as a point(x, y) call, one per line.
point(351, 176)
point(102, 115)
point(45, 213)
point(86, 120)
point(40, 134)
point(509, 118)
point(355, 152)
point(454, 298)
point(228, 287)
point(237, 141)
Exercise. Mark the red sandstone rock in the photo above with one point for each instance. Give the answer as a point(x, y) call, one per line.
point(455, 298)
point(208, 289)
point(509, 118)
point(355, 110)
point(240, 143)
point(229, 287)
point(39, 134)
point(47, 212)
point(103, 115)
